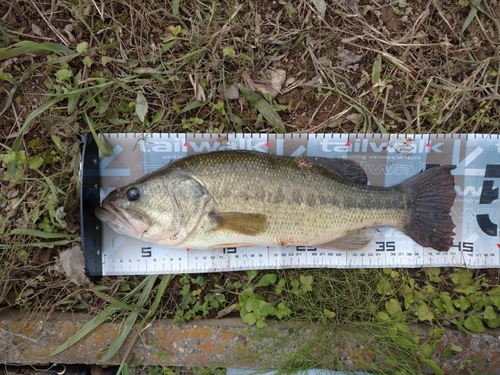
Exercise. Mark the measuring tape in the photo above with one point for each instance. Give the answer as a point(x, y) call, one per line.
point(387, 159)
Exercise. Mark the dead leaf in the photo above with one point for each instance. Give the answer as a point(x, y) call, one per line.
point(258, 21)
point(72, 263)
point(320, 6)
point(247, 81)
point(265, 89)
point(141, 106)
point(68, 30)
point(232, 92)
point(199, 93)
point(273, 83)
point(348, 57)
point(37, 30)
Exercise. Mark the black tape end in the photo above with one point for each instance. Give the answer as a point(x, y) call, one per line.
point(90, 226)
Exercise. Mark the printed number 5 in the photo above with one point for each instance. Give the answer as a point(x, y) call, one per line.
point(146, 252)
point(488, 195)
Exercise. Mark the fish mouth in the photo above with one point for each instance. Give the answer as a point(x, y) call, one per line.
point(129, 222)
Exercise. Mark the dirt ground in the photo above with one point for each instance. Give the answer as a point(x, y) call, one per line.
point(427, 61)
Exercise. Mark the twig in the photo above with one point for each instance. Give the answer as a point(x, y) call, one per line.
point(59, 35)
point(226, 26)
point(17, 334)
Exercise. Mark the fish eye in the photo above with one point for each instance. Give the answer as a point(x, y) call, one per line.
point(133, 194)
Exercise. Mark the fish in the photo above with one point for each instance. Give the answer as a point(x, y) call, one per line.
point(235, 198)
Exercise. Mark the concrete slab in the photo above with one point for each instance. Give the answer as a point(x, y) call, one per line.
point(28, 339)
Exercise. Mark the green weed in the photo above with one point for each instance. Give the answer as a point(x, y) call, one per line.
point(131, 307)
point(196, 302)
point(469, 303)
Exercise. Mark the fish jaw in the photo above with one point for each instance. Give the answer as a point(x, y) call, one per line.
point(131, 222)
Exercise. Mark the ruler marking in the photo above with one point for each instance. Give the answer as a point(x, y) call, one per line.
point(484, 145)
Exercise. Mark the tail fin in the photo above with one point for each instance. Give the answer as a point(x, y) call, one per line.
point(430, 195)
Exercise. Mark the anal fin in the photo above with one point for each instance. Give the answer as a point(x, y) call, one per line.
point(240, 222)
point(355, 240)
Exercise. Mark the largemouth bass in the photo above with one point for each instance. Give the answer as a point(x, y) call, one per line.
point(245, 198)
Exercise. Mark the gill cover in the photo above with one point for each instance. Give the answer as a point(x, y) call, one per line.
point(190, 203)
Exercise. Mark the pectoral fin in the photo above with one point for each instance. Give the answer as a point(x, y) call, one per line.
point(355, 240)
point(240, 222)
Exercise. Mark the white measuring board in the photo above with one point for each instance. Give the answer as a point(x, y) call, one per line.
point(387, 160)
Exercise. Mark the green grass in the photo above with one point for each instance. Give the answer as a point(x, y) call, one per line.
point(149, 67)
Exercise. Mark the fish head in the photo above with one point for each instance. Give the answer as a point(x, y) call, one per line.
point(145, 211)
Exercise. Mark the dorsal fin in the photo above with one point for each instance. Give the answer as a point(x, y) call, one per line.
point(345, 169)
